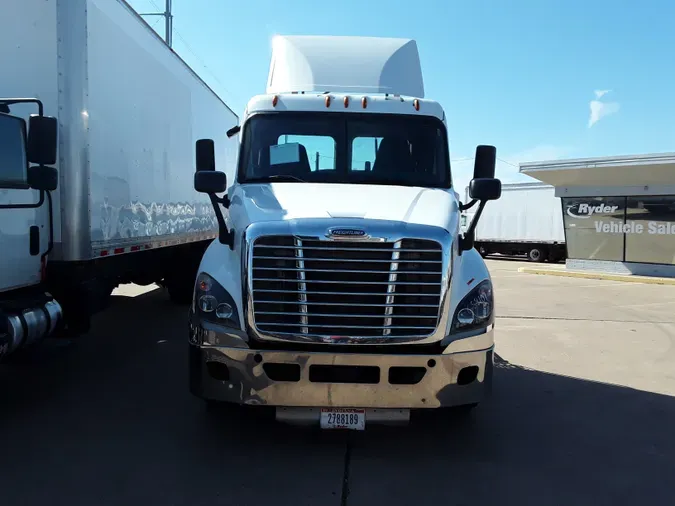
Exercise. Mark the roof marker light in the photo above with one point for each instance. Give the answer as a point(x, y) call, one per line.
point(346, 101)
point(416, 104)
point(364, 102)
point(275, 99)
point(327, 100)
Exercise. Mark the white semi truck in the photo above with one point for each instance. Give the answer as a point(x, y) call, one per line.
point(340, 290)
point(110, 199)
point(527, 220)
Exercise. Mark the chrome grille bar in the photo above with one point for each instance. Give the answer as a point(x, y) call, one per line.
point(305, 280)
point(309, 292)
point(391, 288)
point(302, 292)
point(349, 249)
point(345, 289)
point(341, 304)
point(342, 270)
point(387, 260)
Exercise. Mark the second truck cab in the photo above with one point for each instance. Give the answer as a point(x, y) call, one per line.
point(340, 289)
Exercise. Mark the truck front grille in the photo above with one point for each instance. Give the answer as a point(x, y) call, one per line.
point(346, 288)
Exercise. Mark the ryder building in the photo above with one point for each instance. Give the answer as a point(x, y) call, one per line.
point(618, 212)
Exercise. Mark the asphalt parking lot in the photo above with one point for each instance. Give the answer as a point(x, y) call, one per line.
point(583, 413)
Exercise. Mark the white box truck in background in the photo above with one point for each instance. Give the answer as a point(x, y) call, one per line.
point(526, 220)
point(129, 111)
point(341, 291)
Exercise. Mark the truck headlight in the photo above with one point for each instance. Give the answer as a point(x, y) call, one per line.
point(213, 303)
point(476, 309)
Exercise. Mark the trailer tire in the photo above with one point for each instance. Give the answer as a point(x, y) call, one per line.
point(535, 255)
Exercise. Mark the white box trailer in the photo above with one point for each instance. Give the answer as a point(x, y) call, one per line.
point(129, 111)
point(526, 220)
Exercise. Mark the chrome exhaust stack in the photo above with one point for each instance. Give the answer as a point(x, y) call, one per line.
point(27, 327)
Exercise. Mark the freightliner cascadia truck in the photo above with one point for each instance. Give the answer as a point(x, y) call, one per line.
point(340, 291)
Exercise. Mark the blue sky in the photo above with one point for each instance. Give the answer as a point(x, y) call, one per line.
point(523, 75)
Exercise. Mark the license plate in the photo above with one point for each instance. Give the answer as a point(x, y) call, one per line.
point(343, 418)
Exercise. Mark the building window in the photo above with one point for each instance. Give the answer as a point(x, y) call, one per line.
point(623, 229)
point(650, 230)
point(594, 227)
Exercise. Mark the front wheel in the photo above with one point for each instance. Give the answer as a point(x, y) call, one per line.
point(212, 406)
point(465, 409)
point(180, 289)
point(219, 408)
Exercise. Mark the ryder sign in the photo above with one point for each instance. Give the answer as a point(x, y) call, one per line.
point(585, 211)
point(611, 219)
point(635, 227)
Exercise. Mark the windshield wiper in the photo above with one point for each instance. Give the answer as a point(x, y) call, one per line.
point(277, 177)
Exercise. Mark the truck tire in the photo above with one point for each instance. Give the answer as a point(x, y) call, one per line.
point(555, 257)
point(535, 255)
point(215, 407)
point(180, 290)
point(465, 409)
point(221, 409)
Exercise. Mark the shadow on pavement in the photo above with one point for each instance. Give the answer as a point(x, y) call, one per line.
point(109, 420)
point(58, 364)
point(541, 439)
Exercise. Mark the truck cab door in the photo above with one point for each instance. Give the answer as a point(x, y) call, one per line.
point(23, 217)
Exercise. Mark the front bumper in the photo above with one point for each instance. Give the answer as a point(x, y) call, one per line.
point(462, 374)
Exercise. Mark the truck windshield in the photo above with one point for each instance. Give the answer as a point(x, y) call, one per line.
point(345, 148)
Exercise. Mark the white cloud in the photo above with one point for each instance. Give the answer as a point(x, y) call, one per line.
point(600, 109)
point(507, 165)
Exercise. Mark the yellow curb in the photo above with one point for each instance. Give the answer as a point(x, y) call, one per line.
point(599, 275)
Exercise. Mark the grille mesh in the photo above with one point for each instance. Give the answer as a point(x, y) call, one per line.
point(346, 288)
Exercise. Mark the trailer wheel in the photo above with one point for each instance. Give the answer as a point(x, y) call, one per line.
point(535, 255)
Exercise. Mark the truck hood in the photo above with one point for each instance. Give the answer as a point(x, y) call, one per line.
point(253, 203)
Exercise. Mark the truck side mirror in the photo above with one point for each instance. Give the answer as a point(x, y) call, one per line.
point(484, 162)
point(42, 140)
point(43, 177)
point(482, 188)
point(210, 181)
point(485, 189)
point(233, 131)
point(205, 155)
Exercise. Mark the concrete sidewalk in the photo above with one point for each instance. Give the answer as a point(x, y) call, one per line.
point(560, 270)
